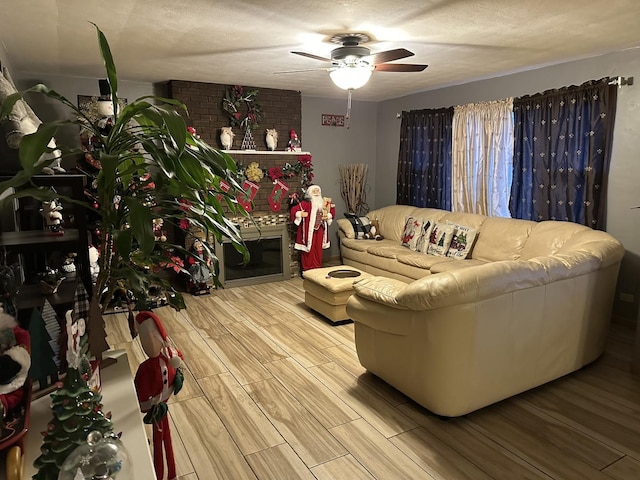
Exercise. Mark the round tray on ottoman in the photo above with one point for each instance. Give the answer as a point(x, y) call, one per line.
point(327, 289)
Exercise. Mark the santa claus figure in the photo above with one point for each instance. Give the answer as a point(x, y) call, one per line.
point(313, 220)
point(15, 360)
point(157, 378)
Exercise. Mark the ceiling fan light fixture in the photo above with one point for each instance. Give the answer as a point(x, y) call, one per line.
point(351, 77)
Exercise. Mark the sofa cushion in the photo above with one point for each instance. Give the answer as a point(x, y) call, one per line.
point(411, 232)
point(462, 241)
point(355, 244)
point(501, 239)
point(440, 239)
point(421, 260)
point(455, 265)
point(386, 250)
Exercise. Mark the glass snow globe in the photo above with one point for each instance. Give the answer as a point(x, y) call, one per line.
point(101, 458)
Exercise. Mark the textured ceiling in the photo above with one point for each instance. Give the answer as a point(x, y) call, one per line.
point(245, 42)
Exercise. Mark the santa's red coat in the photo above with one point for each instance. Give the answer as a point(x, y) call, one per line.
point(309, 239)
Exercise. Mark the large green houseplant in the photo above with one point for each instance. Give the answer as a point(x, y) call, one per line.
point(152, 167)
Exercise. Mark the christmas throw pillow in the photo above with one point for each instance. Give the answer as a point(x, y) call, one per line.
point(440, 239)
point(461, 242)
point(411, 232)
point(423, 240)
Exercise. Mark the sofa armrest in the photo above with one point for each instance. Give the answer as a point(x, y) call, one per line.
point(381, 290)
point(345, 228)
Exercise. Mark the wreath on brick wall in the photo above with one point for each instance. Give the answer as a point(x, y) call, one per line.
point(242, 107)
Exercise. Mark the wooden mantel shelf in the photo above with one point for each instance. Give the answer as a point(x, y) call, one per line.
point(265, 152)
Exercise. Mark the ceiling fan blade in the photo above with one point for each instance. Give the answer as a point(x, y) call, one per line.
point(400, 67)
point(311, 55)
point(300, 71)
point(390, 55)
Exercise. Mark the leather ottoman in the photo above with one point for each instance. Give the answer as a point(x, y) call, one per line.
point(326, 290)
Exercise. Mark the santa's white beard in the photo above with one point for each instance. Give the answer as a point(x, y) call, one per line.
point(317, 202)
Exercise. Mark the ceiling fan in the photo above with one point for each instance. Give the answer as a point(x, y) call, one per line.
point(352, 63)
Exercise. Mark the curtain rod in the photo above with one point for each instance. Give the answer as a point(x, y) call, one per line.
point(621, 81)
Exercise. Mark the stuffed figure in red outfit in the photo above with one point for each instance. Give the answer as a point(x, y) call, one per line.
point(15, 360)
point(312, 217)
point(157, 378)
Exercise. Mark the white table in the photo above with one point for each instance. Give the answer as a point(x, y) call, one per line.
point(119, 398)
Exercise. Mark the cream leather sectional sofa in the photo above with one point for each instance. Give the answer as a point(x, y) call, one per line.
point(531, 303)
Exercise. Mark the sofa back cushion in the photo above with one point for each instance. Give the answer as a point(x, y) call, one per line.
point(391, 220)
point(549, 237)
point(501, 239)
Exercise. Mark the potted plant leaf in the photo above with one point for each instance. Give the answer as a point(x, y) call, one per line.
point(151, 167)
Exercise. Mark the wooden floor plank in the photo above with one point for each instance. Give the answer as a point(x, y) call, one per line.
point(323, 403)
point(247, 424)
point(211, 449)
point(376, 453)
point(279, 462)
point(535, 449)
point(380, 414)
point(308, 438)
point(198, 356)
point(238, 359)
point(345, 467)
point(304, 352)
point(626, 468)
point(491, 457)
point(441, 461)
point(262, 347)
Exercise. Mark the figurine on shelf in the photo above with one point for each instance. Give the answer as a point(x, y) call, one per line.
point(52, 217)
point(226, 137)
point(157, 378)
point(15, 361)
point(272, 138)
point(159, 234)
point(294, 143)
point(200, 271)
point(94, 266)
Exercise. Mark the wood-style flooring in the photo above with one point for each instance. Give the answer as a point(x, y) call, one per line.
point(272, 391)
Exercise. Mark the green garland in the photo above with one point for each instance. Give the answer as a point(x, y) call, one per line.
point(242, 107)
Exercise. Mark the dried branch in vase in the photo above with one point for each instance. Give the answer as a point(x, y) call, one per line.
point(353, 181)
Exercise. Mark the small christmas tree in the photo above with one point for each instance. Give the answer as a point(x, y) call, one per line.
point(77, 410)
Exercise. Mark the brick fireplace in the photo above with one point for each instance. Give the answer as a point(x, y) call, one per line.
point(282, 110)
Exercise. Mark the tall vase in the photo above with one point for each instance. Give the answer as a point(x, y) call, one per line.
point(248, 143)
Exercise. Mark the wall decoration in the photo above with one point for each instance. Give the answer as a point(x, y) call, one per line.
point(226, 137)
point(279, 192)
point(250, 191)
point(242, 107)
point(330, 120)
point(271, 138)
point(88, 105)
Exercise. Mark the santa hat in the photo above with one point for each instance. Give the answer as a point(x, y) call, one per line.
point(14, 368)
point(150, 326)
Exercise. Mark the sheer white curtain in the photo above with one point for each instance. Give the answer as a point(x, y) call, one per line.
point(482, 157)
